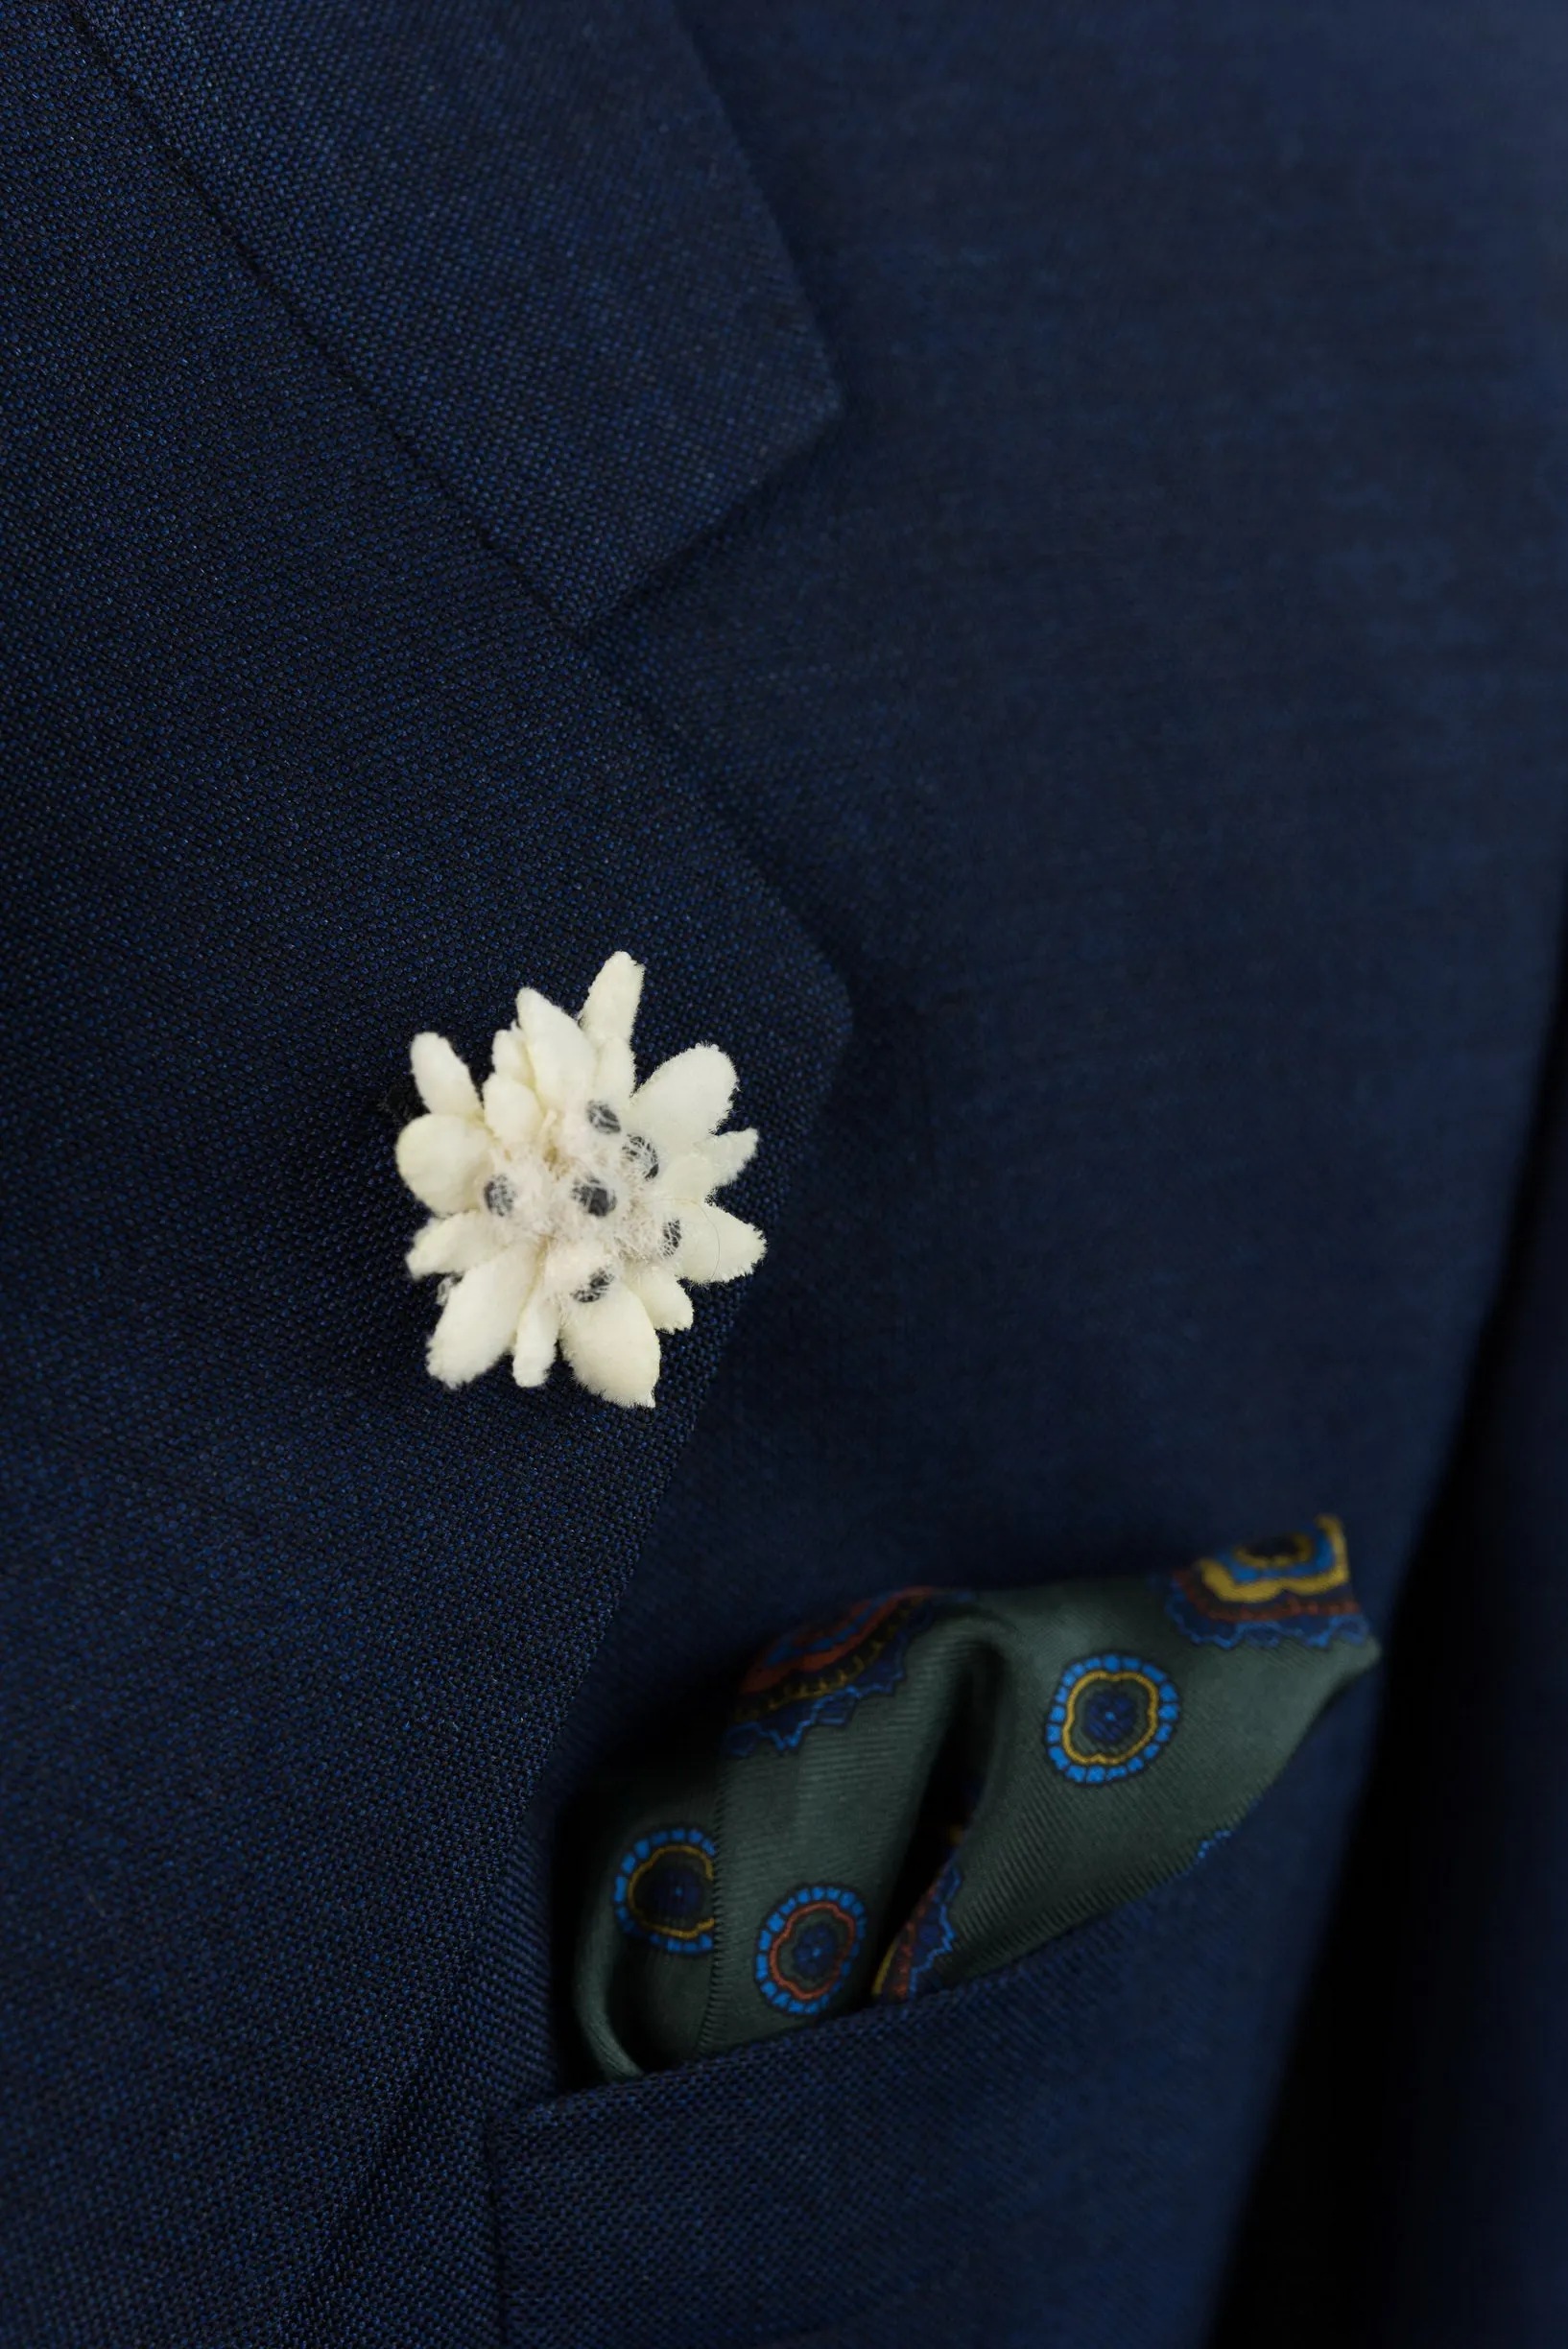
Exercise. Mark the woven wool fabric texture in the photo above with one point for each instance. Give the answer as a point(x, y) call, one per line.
point(1028, 583)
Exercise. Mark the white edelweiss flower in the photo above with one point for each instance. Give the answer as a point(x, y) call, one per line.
point(569, 1203)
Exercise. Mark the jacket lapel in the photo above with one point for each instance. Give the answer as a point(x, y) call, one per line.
point(292, 1627)
point(527, 233)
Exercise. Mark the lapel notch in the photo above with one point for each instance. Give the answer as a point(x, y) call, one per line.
point(528, 232)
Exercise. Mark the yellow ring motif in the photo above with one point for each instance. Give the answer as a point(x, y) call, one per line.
point(1099, 1756)
point(1257, 1591)
point(698, 1926)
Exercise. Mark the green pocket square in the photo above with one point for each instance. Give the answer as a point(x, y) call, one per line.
point(940, 1781)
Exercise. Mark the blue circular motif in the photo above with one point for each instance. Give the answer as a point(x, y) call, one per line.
point(663, 1891)
point(808, 1947)
point(1111, 1715)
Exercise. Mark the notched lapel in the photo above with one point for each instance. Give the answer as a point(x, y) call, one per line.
point(529, 234)
point(287, 1629)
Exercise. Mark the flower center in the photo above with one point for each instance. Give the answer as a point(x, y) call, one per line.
point(584, 1190)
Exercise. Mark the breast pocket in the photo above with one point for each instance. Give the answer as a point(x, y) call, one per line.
point(1053, 2154)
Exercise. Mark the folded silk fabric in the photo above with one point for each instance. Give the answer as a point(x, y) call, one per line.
point(940, 1781)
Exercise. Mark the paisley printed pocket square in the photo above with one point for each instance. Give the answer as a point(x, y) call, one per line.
point(938, 1782)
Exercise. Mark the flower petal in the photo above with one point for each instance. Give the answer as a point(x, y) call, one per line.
point(616, 1072)
point(687, 1177)
point(445, 1084)
point(715, 1246)
point(610, 1012)
point(683, 1102)
point(667, 1304)
point(726, 1153)
point(537, 1335)
point(508, 1056)
point(454, 1243)
point(706, 1168)
point(512, 1111)
point(441, 1158)
point(612, 1346)
point(563, 1059)
point(480, 1318)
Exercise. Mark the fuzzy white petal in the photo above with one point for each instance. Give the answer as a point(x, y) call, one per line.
point(537, 1335)
point(508, 1056)
point(668, 1306)
point(612, 1346)
point(445, 1086)
point(687, 1179)
point(701, 1172)
point(479, 1319)
point(715, 1246)
point(563, 1059)
point(615, 1073)
point(727, 1153)
point(454, 1243)
point(512, 1111)
point(440, 1159)
point(610, 1012)
point(685, 1100)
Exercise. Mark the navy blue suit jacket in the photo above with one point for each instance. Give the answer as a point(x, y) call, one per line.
point(1015, 554)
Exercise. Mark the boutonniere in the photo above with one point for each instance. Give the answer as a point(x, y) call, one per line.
point(569, 1203)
